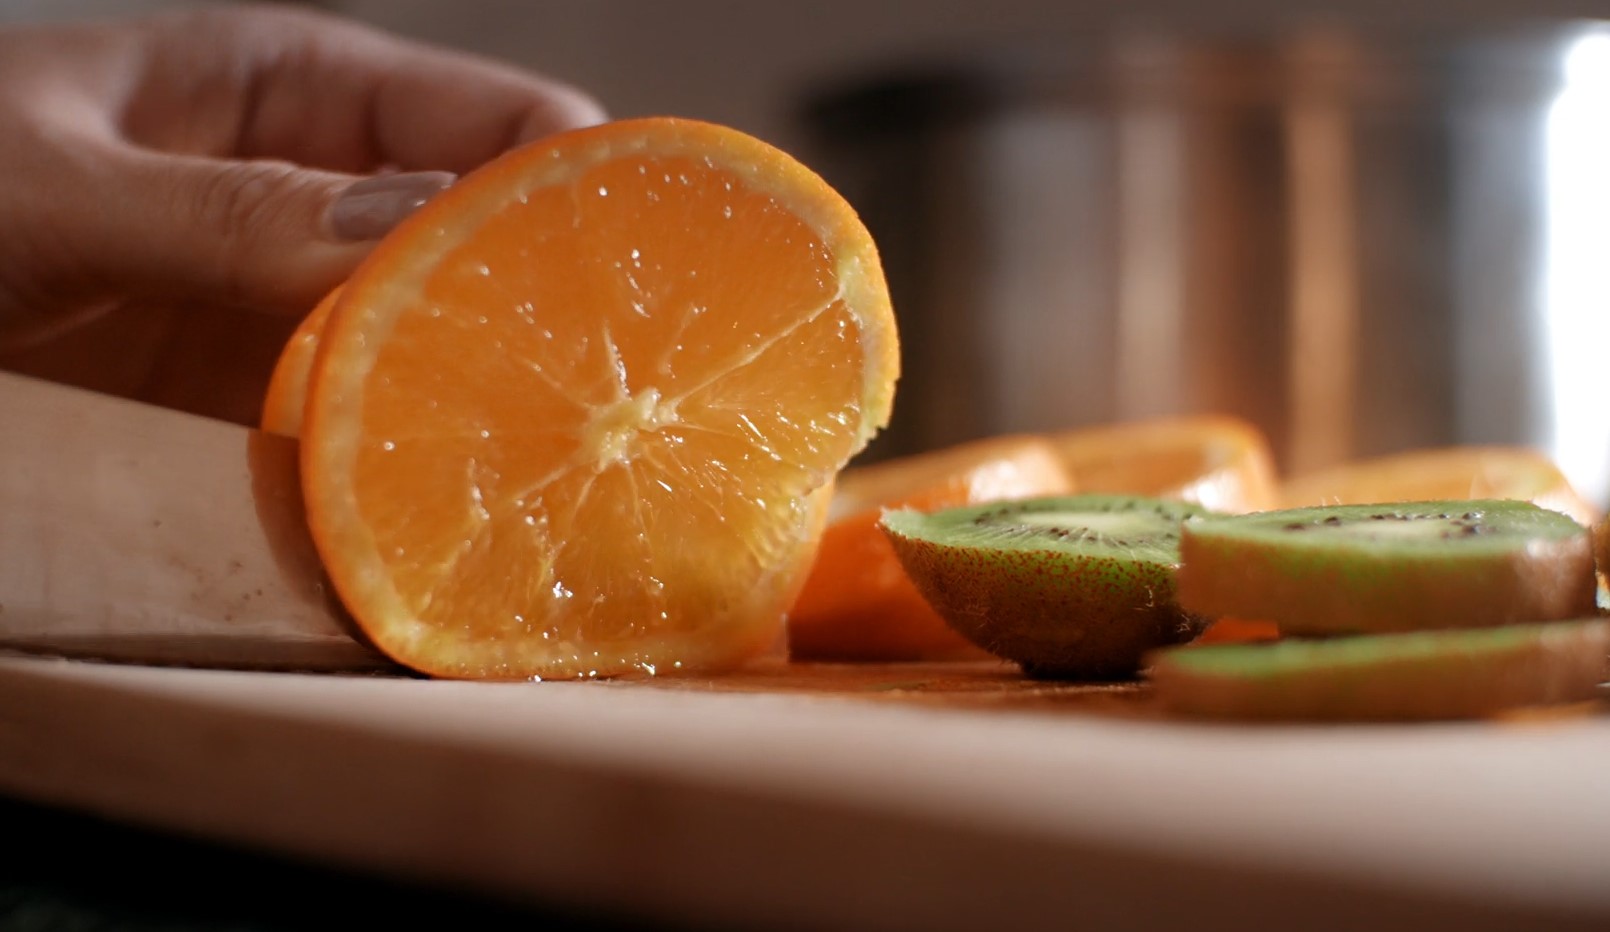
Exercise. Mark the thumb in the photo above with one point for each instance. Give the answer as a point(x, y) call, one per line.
point(262, 234)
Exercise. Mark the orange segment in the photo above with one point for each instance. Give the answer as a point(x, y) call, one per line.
point(576, 415)
point(1461, 472)
point(287, 386)
point(1221, 463)
point(1000, 467)
point(857, 603)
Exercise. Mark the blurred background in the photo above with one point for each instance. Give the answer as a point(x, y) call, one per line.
point(1365, 228)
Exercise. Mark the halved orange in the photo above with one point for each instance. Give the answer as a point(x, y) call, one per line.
point(287, 386)
point(578, 415)
point(1220, 462)
point(857, 603)
point(1457, 472)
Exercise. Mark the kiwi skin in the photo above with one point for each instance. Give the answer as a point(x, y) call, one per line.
point(1405, 676)
point(1321, 587)
point(1057, 614)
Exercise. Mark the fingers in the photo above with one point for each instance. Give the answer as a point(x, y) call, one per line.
point(260, 234)
point(431, 108)
point(446, 110)
point(331, 93)
point(223, 157)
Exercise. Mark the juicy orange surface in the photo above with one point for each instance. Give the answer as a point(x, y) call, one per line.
point(287, 386)
point(857, 603)
point(581, 413)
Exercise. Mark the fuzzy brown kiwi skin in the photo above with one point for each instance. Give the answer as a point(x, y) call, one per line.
point(1547, 581)
point(1056, 618)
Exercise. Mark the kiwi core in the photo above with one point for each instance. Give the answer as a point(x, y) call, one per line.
point(1384, 526)
point(1104, 523)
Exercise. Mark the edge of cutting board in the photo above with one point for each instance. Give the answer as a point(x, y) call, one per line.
point(795, 811)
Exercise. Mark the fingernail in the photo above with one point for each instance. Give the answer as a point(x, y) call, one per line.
point(368, 209)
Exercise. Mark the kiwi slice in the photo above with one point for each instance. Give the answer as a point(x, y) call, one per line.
point(1394, 567)
point(1418, 675)
point(1072, 587)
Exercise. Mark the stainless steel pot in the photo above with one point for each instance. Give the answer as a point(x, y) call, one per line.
point(1361, 240)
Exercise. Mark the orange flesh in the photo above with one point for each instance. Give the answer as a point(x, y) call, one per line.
point(1237, 630)
point(591, 430)
point(1219, 462)
point(287, 386)
point(632, 396)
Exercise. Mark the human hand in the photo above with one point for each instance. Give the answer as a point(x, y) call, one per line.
point(192, 174)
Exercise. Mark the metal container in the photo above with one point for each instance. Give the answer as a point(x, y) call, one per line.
point(1362, 241)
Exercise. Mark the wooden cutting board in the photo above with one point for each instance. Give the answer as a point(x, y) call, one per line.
point(836, 797)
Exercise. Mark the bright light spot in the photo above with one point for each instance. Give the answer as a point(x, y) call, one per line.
point(1576, 284)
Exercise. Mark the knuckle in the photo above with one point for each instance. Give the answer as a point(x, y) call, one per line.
point(240, 196)
point(245, 207)
point(253, 20)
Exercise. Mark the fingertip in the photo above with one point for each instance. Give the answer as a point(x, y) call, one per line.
point(582, 109)
point(561, 108)
point(369, 208)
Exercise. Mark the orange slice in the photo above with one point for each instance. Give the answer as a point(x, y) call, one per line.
point(997, 467)
point(857, 603)
point(1461, 472)
point(577, 416)
point(1219, 462)
point(1239, 630)
point(287, 386)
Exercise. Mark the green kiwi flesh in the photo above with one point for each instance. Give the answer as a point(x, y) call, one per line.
point(1391, 567)
point(1070, 587)
point(1421, 675)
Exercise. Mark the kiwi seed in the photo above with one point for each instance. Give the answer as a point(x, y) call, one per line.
point(1399, 567)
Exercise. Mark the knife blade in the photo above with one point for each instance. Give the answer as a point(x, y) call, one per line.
point(133, 533)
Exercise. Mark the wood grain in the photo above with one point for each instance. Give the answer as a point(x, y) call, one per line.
point(835, 797)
